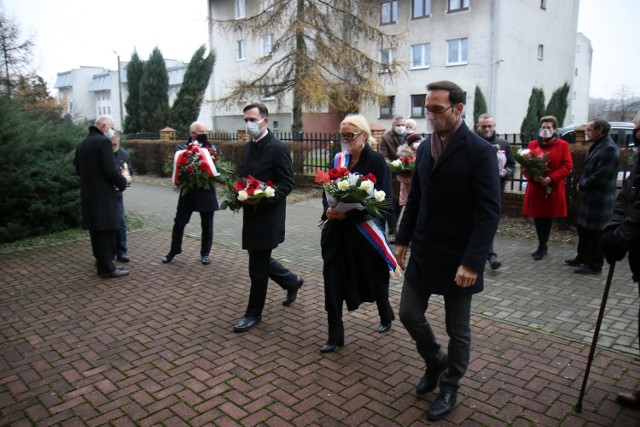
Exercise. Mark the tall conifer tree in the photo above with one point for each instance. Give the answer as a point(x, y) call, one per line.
point(132, 104)
point(535, 112)
point(479, 104)
point(154, 97)
point(558, 104)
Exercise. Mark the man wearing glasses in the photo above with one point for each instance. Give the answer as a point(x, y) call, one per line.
point(486, 128)
point(450, 219)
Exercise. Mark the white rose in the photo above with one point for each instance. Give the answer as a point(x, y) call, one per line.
point(366, 185)
point(257, 191)
point(379, 196)
point(397, 163)
point(523, 152)
point(242, 195)
point(343, 185)
point(270, 191)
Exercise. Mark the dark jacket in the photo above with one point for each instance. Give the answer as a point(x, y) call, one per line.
point(625, 220)
point(503, 145)
point(598, 181)
point(452, 213)
point(353, 270)
point(268, 159)
point(200, 199)
point(99, 175)
point(388, 147)
point(122, 157)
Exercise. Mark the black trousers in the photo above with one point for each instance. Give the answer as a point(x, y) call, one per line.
point(262, 268)
point(589, 250)
point(180, 222)
point(413, 305)
point(103, 244)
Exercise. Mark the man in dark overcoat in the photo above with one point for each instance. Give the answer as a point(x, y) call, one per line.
point(265, 158)
point(597, 186)
point(99, 177)
point(201, 200)
point(450, 218)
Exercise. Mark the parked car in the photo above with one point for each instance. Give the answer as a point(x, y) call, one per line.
point(621, 133)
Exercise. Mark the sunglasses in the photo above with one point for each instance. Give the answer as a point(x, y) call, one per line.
point(350, 136)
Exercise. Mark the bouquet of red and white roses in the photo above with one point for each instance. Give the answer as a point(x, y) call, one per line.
point(243, 189)
point(403, 165)
point(194, 167)
point(346, 191)
point(534, 163)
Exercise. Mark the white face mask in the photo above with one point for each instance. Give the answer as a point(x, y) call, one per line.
point(253, 128)
point(545, 133)
point(109, 133)
point(399, 129)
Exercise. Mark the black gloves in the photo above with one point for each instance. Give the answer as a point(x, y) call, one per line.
point(610, 248)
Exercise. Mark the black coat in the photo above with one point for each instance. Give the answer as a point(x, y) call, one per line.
point(122, 157)
point(199, 199)
point(268, 159)
point(99, 175)
point(352, 268)
point(452, 213)
point(510, 166)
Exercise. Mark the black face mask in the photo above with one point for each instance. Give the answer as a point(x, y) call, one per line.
point(202, 138)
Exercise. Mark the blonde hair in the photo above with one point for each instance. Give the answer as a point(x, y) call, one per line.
point(360, 122)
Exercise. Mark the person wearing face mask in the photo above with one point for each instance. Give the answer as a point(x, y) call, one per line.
point(124, 163)
point(537, 204)
point(265, 158)
point(99, 177)
point(622, 236)
point(411, 127)
point(202, 200)
point(388, 147)
point(597, 188)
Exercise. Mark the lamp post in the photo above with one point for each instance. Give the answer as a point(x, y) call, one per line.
point(120, 93)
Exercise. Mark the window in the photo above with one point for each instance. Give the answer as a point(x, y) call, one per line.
point(239, 9)
point(540, 51)
point(457, 51)
point(387, 107)
point(576, 72)
point(389, 12)
point(417, 105)
point(240, 50)
point(265, 44)
point(420, 55)
point(421, 9)
point(543, 4)
point(109, 110)
point(386, 58)
point(266, 5)
point(267, 90)
point(458, 5)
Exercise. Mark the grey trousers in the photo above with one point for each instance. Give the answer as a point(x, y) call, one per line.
point(413, 305)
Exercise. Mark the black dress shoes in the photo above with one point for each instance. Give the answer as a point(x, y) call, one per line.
point(585, 269)
point(494, 263)
point(442, 406)
point(575, 262)
point(206, 260)
point(292, 294)
point(331, 346)
point(123, 258)
point(429, 380)
point(540, 253)
point(246, 323)
point(384, 327)
point(168, 258)
point(118, 272)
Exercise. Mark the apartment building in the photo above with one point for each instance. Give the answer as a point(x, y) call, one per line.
point(505, 47)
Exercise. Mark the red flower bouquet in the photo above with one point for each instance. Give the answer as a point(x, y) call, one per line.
point(534, 163)
point(194, 167)
point(243, 189)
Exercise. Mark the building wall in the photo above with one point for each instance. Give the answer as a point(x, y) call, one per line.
point(580, 91)
point(503, 39)
point(73, 87)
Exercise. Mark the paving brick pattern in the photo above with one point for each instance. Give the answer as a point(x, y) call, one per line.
point(157, 347)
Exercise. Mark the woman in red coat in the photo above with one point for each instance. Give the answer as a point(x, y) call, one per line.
point(539, 205)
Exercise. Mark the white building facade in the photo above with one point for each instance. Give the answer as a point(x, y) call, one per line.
point(505, 47)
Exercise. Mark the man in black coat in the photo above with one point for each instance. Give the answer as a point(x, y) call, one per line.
point(202, 200)
point(622, 235)
point(486, 128)
point(265, 158)
point(450, 218)
point(99, 177)
point(124, 164)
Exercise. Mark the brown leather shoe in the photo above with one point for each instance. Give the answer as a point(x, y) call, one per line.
point(629, 400)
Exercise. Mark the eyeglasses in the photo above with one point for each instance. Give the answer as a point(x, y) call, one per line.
point(486, 126)
point(438, 110)
point(350, 136)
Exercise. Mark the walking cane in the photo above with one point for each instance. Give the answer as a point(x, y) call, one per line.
point(594, 341)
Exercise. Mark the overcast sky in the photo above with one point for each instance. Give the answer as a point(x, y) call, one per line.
point(72, 33)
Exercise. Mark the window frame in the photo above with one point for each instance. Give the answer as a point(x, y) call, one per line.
point(462, 6)
point(423, 66)
point(421, 100)
point(463, 42)
point(263, 39)
point(392, 108)
point(393, 12)
point(241, 50)
point(540, 52)
point(426, 14)
point(239, 9)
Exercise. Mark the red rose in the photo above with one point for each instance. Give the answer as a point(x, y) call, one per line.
point(190, 169)
point(406, 160)
point(195, 150)
point(239, 185)
point(269, 184)
point(183, 161)
point(204, 167)
point(335, 173)
point(371, 177)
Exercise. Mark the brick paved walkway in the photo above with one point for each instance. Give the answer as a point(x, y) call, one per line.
point(156, 347)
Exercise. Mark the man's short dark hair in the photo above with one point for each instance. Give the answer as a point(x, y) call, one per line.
point(264, 112)
point(456, 94)
point(599, 123)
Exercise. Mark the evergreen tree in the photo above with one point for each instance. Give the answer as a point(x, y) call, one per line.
point(186, 108)
point(322, 55)
point(132, 104)
point(535, 111)
point(154, 98)
point(479, 104)
point(558, 104)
